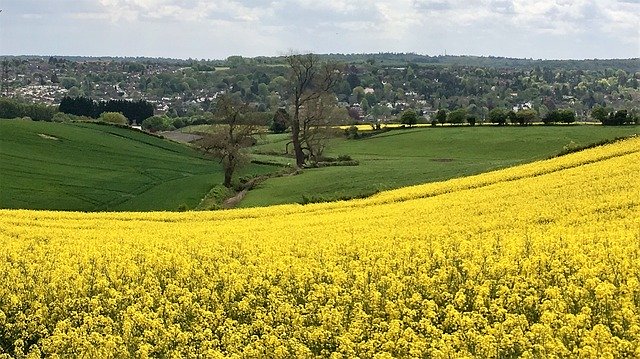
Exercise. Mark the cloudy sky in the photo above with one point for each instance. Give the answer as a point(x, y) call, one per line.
point(215, 29)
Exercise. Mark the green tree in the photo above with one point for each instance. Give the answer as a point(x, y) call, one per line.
point(113, 117)
point(358, 93)
point(526, 117)
point(457, 116)
point(599, 113)
point(409, 117)
point(280, 121)
point(364, 105)
point(441, 116)
point(498, 115)
point(567, 115)
point(157, 123)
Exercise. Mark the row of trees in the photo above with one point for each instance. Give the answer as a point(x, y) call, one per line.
point(134, 111)
point(502, 116)
point(11, 108)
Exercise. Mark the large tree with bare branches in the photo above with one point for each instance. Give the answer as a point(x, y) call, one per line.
point(311, 82)
point(235, 132)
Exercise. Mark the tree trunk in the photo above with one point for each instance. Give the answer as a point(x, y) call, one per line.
point(229, 168)
point(228, 175)
point(295, 139)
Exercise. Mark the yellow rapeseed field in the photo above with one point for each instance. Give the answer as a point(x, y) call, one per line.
point(537, 261)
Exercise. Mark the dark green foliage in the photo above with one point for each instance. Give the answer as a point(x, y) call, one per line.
point(10, 108)
point(498, 116)
point(599, 113)
point(441, 116)
point(619, 118)
point(471, 120)
point(79, 106)
point(525, 117)
point(135, 111)
point(158, 123)
point(560, 116)
point(457, 117)
point(280, 121)
point(178, 122)
point(409, 117)
point(352, 132)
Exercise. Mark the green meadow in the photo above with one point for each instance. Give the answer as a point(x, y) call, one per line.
point(411, 156)
point(94, 167)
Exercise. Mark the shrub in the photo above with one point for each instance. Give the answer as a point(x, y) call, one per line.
point(158, 123)
point(113, 117)
point(352, 132)
point(61, 117)
point(471, 120)
point(619, 118)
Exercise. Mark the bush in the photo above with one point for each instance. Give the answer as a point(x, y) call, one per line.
point(113, 117)
point(179, 123)
point(619, 118)
point(352, 132)
point(471, 120)
point(158, 123)
point(61, 117)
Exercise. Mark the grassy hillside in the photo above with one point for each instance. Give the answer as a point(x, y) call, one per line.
point(407, 157)
point(91, 167)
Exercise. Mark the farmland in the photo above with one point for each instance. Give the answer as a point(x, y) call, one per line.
point(408, 157)
point(538, 260)
point(91, 167)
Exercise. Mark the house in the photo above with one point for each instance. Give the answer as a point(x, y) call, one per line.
point(522, 106)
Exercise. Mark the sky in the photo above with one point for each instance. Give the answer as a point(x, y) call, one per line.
point(214, 29)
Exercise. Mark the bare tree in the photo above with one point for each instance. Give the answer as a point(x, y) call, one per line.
point(236, 132)
point(310, 81)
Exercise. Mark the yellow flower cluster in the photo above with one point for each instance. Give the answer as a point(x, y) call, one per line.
point(537, 261)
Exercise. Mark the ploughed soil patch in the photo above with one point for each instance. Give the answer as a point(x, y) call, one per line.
point(180, 137)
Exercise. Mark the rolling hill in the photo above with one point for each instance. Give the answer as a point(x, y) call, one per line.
point(94, 167)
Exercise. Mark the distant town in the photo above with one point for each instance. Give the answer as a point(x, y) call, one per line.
point(375, 88)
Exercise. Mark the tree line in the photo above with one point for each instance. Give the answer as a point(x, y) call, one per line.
point(134, 111)
point(502, 116)
point(11, 108)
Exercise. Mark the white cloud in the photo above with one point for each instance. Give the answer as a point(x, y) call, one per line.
point(524, 28)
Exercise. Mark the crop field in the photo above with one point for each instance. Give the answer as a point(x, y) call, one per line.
point(91, 167)
point(413, 156)
point(541, 260)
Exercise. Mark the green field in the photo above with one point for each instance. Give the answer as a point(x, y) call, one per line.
point(406, 157)
point(92, 167)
